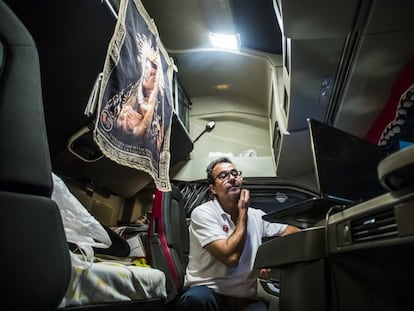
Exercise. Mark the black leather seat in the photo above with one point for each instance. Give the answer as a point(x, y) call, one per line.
point(169, 241)
point(35, 259)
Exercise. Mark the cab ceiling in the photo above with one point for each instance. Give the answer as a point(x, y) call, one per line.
point(185, 24)
point(184, 27)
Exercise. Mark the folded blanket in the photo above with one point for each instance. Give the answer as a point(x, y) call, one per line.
point(113, 281)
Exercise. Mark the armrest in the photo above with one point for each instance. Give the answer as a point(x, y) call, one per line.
point(305, 245)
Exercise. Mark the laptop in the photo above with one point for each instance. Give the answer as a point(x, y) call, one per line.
point(345, 169)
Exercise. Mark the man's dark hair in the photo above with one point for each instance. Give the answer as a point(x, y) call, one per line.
point(210, 167)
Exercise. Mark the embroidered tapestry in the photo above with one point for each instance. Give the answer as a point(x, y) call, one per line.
point(135, 100)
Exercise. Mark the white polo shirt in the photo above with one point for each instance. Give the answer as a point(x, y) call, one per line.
point(209, 222)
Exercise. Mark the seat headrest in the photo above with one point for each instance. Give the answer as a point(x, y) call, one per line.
point(24, 155)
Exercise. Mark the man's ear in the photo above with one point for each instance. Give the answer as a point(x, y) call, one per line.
point(212, 189)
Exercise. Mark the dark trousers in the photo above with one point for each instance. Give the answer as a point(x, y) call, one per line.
point(202, 298)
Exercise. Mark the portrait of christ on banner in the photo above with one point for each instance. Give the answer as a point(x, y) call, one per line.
point(134, 119)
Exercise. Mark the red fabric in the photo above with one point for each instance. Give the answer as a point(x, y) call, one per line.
point(401, 84)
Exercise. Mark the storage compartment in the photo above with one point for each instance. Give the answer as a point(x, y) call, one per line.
point(300, 257)
point(370, 247)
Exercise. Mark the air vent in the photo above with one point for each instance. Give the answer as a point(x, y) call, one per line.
point(378, 226)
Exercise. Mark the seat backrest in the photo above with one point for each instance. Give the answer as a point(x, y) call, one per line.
point(194, 194)
point(168, 232)
point(35, 257)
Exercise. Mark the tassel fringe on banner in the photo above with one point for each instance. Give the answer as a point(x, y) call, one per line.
point(94, 97)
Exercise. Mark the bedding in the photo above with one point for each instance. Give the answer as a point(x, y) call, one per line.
point(96, 279)
point(110, 281)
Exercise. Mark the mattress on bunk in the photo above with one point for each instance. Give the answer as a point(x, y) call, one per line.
point(112, 281)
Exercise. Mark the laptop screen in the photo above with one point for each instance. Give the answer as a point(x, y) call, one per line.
point(345, 165)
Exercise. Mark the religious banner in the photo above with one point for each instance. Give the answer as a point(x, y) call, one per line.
point(135, 99)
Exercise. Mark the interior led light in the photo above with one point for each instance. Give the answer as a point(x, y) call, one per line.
point(225, 41)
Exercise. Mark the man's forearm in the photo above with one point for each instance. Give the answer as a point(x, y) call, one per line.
point(229, 251)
